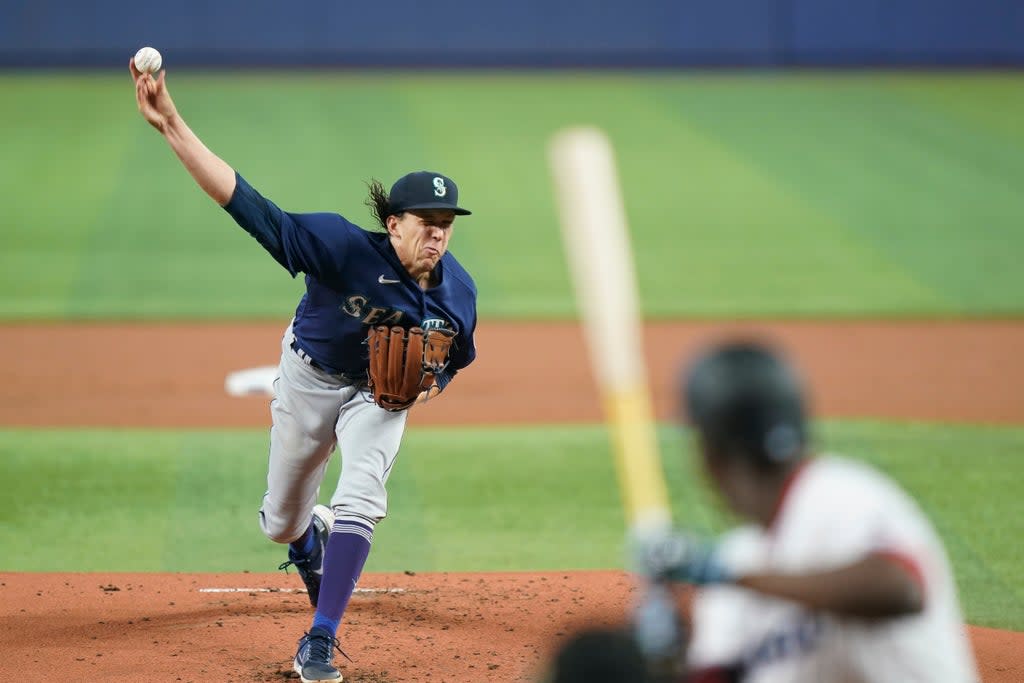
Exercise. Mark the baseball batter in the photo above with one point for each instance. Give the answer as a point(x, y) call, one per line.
point(838, 577)
point(386, 321)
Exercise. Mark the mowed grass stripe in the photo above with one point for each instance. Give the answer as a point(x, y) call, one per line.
point(748, 195)
point(928, 193)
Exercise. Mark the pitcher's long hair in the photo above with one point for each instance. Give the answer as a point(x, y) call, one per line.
point(378, 203)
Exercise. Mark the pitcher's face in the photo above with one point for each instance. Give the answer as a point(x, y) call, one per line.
point(420, 238)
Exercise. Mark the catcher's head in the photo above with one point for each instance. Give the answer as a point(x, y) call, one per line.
point(598, 655)
point(747, 407)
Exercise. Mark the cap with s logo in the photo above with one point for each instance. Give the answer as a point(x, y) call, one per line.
point(425, 190)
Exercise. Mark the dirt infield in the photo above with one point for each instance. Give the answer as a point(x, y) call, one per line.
point(434, 627)
point(459, 628)
point(165, 375)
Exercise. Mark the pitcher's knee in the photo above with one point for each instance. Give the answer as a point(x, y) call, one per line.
point(281, 529)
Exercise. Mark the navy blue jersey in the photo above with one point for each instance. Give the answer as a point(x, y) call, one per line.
point(353, 280)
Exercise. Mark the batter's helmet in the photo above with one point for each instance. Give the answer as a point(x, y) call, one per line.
point(747, 402)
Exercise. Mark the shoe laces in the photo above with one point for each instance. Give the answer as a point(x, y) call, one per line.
point(297, 562)
point(288, 563)
point(321, 646)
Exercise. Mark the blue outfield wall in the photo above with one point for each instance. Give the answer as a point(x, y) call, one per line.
point(563, 33)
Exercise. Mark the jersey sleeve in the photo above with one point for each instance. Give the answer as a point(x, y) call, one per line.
point(312, 243)
point(898, 531)
point(855, 512)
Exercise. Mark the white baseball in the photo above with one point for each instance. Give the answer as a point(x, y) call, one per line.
point(148, 60)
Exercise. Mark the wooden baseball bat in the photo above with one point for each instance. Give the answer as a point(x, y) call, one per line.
point(597, 245)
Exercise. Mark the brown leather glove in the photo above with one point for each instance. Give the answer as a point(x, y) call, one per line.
point(403, 363)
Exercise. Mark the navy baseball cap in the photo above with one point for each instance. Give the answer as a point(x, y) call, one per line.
point(425, 190)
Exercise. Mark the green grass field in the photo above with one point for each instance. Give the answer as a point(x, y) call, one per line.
point(467, 499)
point(749, 195)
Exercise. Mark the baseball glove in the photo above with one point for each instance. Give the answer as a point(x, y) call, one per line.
point(403, 363)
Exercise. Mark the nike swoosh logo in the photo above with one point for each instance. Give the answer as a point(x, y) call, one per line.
point(384, 281)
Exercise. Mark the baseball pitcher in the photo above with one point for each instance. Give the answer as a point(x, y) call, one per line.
point(386, 321)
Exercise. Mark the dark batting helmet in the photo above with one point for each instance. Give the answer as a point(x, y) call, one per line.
point(747, 402)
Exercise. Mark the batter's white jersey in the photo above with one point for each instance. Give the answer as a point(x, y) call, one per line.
point(834, 512)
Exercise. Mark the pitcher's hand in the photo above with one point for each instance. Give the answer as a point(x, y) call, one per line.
point(155, 103)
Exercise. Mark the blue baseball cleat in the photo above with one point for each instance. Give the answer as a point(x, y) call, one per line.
point(311, 567)
point(314, 656)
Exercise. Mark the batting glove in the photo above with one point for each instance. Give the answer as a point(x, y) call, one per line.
point(660, 632)
point(683, 557)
